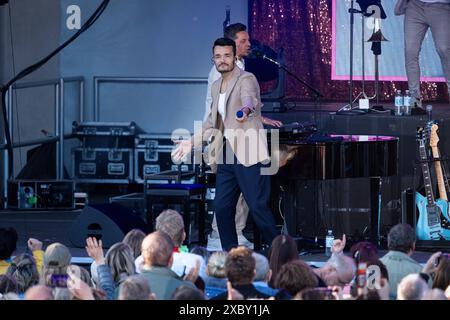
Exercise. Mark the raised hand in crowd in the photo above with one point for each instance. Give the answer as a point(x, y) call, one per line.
point(432, 263)
point(34, 244)
point(337, 292)
point(192, 275)
point(94, 249)
point(338, 245)
point(78, 288)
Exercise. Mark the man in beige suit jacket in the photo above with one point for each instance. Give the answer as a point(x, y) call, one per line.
point(239, 146)
point(238, 33)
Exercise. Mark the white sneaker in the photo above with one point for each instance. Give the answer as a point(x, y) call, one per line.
point(243, 241)
point(213, 244)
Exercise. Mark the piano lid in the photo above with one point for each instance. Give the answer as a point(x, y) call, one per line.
point(334, 156)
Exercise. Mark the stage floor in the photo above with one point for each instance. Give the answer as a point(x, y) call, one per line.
point(301, 111)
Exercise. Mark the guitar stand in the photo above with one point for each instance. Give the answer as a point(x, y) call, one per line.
point(443, 161)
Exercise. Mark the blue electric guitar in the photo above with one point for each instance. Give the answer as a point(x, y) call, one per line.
point(429, 222)
point(442, 182)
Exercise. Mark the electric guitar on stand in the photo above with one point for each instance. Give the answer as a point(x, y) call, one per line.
point(442, 182)
point(429, 222)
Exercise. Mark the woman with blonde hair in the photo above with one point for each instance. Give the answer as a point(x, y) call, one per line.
point(120, 260)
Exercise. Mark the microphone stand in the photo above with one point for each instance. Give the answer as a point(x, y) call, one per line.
point(348, 109)
point(352, 12)
point(317, 95)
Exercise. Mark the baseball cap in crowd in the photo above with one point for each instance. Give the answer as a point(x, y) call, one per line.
point(57, 255)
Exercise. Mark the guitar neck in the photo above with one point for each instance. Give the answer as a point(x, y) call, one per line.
point(426, 173)
point(439, 174)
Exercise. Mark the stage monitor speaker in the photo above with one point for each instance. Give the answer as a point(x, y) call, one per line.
point(109, 222)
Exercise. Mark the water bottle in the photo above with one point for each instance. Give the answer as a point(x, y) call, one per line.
point(407, 103)
point(329, 243)
point(398, 103)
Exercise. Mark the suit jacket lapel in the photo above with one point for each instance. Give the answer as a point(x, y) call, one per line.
point(215, 91)
point(231, 84)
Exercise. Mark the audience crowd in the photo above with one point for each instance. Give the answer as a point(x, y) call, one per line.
point(158, 267)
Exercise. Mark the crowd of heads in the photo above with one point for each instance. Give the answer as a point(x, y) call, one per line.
point(240, 273)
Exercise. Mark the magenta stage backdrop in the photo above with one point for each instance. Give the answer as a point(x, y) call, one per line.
point(303, 29)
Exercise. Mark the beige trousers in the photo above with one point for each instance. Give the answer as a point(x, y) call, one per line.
point(240, 219)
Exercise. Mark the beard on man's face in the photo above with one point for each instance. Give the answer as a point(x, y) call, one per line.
point(224, 67)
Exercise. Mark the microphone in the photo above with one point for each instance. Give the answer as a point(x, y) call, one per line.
point(262, 55)
point(271, 60)
point(429, 109)
point(240, 113)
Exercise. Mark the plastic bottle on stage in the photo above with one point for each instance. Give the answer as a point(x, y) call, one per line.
point(398, 103)
point(407, 103)
point(329, 242)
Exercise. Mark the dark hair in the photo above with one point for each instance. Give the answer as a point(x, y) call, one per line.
point(240, 266)
point(282, 250)
point(225, 42)
point(295, 276)
point(231, 30)
point(200, 284)
point(134, 239)
point(364, 251)
point(320, 293)
point(370, 295)
point(8, 242)
point(187, 293)
point(401, 237)
point(442, 279)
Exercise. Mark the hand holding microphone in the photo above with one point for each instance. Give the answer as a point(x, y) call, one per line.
point(243, 114)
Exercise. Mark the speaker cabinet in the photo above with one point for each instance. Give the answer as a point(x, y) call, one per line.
point(109, 222)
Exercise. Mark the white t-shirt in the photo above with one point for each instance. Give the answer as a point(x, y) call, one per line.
point(222, 105)
point(215, 75)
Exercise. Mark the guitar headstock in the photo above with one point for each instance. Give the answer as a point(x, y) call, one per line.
point(434, 138)
point(420, 134)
